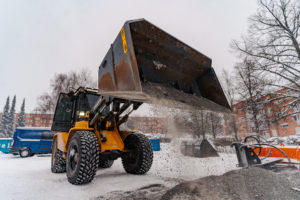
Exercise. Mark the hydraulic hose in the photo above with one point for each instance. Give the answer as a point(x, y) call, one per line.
point(265, 144)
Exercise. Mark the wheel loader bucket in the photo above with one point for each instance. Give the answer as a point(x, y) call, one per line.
point(146, 64)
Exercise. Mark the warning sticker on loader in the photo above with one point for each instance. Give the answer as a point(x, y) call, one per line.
point(124, 40)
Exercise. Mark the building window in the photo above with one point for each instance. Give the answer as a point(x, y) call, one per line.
point(249, 115)
point(284, 125)
point(251, 124)
point(295, 118)
point(289, 92)
point(269, 111)
point(274, 133)
point(278, 102)
point(297, 108)
point(267, 134)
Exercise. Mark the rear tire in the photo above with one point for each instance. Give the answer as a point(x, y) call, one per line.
point(138, 159)
point(105, 163)
point(24, 153)
point(82, 157)
point(58, 163)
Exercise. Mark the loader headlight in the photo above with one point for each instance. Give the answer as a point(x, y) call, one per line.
point(81, 114)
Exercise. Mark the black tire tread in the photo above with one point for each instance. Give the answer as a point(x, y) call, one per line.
point(89, 158)
point(145, 154)
point(59, 163)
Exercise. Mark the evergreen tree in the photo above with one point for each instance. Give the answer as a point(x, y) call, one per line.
point(11, 118)
point(4, 119)
point(21, 120)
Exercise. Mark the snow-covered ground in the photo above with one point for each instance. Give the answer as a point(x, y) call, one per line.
point(31, 178)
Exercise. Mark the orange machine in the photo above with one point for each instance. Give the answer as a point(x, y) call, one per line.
point(265, 154)
point(292, 151)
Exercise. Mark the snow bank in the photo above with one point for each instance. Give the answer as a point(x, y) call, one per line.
point(31, 178)
point(169, 162)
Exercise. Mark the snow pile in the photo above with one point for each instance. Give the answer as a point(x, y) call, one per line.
point(292, 139)
point(251, 183)
point(169, 162)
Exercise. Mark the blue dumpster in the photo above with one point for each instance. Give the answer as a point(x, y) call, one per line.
point(5, 144)
point(155, 144)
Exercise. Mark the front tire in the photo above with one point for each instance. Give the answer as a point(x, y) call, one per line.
point(58, 163)
point(24, 153)
point(82, 157)
point(138, 159)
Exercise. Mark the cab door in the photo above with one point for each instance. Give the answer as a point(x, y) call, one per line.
point(63, 113)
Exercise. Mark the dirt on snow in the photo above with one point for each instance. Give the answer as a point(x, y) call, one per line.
point(243, 184)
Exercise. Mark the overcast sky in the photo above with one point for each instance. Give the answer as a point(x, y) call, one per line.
point(41, 38)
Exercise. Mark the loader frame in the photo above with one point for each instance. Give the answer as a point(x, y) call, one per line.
point(103, 117)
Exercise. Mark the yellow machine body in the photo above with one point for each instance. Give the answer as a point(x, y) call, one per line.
point(114, 137)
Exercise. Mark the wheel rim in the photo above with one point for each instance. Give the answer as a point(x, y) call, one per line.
point(73, 157)
point(24, 153)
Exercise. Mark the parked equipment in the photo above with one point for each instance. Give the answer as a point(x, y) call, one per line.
point(28, 141)
point(144, 64)
point(262, 153)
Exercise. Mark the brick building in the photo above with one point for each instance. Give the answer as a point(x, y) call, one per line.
point(143, 124)
point(147, 124)
point(289, 125)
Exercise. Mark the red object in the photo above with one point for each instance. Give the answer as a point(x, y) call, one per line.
point(12, 143)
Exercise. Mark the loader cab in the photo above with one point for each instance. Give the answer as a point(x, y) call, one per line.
point(71, 107)
point(84, 103)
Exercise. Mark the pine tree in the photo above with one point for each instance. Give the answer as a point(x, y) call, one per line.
point(4, 119)
point(21, 120)
point(11, 118)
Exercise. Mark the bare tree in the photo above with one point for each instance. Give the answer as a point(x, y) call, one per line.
point(61, 83)
point(251, 87)
point(273, 41)
point(216, 123)
point(199, 123)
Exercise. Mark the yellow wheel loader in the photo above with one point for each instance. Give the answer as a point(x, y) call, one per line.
point(143, 65)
